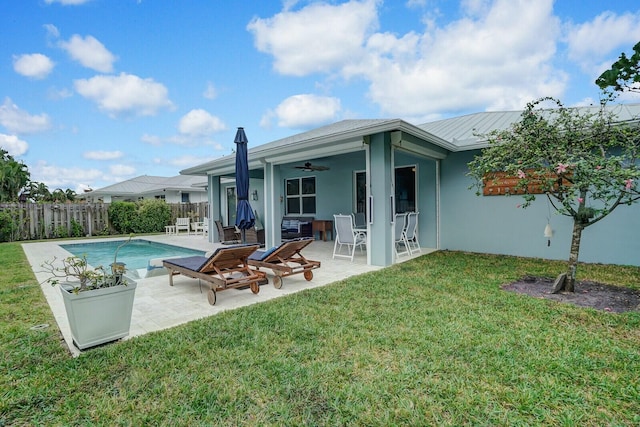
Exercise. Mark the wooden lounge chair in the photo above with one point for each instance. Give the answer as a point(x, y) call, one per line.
point(226, 268)
point(285, 260)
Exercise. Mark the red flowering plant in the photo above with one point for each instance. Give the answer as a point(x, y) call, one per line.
point(584, 160)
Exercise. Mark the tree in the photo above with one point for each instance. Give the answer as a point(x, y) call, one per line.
point(58, 196)
point(585, 163)
point(38, 192)
point(71, 195)
point(14, 176)
point(623, 76)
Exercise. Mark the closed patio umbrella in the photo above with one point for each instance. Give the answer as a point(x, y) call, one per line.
point(245, 218)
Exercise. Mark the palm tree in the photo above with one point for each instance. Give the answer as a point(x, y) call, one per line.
point(71, 194)
point(14, 177)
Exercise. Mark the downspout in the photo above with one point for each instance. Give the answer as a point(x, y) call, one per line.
point(438, 204)
point(369, 202)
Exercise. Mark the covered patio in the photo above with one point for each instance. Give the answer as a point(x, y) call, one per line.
point(158, 306)
point(375, 168)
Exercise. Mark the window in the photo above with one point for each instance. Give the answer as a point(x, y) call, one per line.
point(185, 197)
point(361, 192)
point(301, 195)
point(405, 189)
point(231, 205)
point(160, 197)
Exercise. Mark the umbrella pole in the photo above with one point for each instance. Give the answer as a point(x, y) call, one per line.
point(244, 237)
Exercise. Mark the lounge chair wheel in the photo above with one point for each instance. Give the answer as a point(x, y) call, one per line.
point(277, 282)
point(308, 275)
point(211, 296)
point(255, 288)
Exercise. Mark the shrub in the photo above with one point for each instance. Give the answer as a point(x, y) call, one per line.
point(77, 230)
point(60, 232)
point(152, 216)
point(122, 216)
point(8, 227)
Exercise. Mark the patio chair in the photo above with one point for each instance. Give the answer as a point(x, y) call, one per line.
point(228, 234)
point(226, 268)
point(182, 224)
point(400, 238)
point(197, 227)
point(359, 220)
point(205, 226)
point(285, 260)
point(253, 235)
point(347, 236)
point(411, 233)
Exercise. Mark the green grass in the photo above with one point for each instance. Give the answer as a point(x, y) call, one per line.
point(433, 341)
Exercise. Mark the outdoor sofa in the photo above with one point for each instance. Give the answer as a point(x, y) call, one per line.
point(293, 227)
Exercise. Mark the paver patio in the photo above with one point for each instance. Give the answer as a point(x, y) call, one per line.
point(159, 306)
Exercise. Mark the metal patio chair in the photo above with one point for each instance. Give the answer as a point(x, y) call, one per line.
point(346, 235)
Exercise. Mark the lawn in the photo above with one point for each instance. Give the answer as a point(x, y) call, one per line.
point(433, 341)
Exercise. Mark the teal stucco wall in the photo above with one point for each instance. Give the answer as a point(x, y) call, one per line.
point(496, 225)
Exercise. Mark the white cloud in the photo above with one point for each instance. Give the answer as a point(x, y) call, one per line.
point(151, 139)
point(13, 145)
point(103, 155)
point(266, 119)
point(306, 110)
point(498, 54)
point(34, 65)
point(592, 43)
point(200, 123)
point(120, 171)
point(317, 38)
point(500, 59)
point(78, 178)
point(57, 94)
point(59, 177)
point(210, 92)
point(90, 53)
point(189, 160)
point(19, 121)
point(124, 94)
point(52, 31)
point(67, 2)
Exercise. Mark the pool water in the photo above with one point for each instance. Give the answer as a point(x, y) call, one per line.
point(136, 254)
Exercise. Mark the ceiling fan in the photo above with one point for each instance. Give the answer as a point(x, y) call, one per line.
point(308, 167)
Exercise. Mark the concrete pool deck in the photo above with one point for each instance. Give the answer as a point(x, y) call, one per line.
point(158, 306)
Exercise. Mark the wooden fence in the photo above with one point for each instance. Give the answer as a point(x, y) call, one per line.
point(33, 221)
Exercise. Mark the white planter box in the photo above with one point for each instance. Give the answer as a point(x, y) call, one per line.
point(101, 315)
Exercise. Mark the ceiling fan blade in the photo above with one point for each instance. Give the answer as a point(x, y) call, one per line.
point(308, 167)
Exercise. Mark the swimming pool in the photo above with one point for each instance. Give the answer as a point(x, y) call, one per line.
point(136, 254)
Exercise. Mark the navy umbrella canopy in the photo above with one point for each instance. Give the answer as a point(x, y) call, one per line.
point(245, 218)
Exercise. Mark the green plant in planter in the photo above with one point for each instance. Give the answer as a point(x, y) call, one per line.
point(77, 269)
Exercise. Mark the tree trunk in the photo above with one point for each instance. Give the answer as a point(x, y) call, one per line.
point(569, 283)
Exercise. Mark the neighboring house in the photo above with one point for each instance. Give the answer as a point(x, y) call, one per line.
point(381, 167)
point(175, 189)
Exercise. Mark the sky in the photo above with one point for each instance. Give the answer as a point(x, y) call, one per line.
point(95, 92)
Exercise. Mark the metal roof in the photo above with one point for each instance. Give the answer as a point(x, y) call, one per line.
point(462, 131)
point(324, 141)
point(149, 184)
point(465, 132)
point(454, 134)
